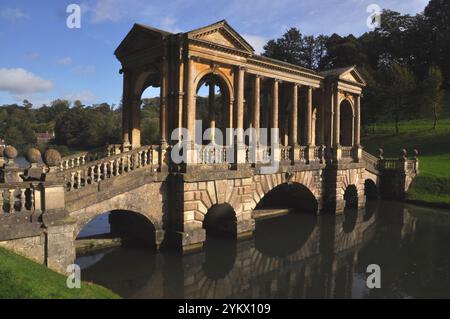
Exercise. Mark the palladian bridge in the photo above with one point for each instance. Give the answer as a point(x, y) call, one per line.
point(321, 165)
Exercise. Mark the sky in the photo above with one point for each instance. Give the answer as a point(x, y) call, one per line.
point(41, 59)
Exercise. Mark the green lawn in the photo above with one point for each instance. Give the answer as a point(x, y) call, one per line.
point(433, 183)
point(24, 279)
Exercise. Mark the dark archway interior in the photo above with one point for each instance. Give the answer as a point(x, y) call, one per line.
point(370, 189)
point(295, 196)
point(132, 228)
point(351, 197)
point(346, 128)
point(220, 221)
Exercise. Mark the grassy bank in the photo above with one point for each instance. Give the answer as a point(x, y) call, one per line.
point(22, 278)
point(433, 184)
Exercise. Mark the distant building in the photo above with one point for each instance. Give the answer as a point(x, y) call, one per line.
point(44, 138)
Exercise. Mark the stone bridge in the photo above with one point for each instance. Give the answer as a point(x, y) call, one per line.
point(316, 161)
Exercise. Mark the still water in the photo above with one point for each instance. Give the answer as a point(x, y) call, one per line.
point(296, 256)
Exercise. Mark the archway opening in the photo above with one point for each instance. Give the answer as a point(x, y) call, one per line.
point(351, 197)
point(116, 228)
point(150, 115)
point(220, 221)
point(212, 106)
point(346, 123)
point(370, 190)
point(290, 196)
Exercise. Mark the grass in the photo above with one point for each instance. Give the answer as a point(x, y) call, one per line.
point(25, 279)
point(433, 183)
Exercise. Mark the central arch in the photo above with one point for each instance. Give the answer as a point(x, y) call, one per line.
point(289, 195)
point(213, 103)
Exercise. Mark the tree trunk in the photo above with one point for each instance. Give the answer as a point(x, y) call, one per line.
point(435, 118)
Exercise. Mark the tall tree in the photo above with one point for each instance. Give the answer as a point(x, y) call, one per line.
point(433, 93)
point(398, 87)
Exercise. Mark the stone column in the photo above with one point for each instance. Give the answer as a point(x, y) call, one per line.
point(294, 124)
point(336, 125)
point(357, 129)
point(276, 152)
point(126, 105)
point(163, 112)
point(190, 105)
point(135, 121)
point(163, 101)
point(257, 107)
point(309, 137)
point(240, 158)
point(212, 111)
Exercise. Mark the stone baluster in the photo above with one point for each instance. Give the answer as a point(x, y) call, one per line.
point(72, 180)
point(145, 157)
point(129, 163)
point(32, 198)
point(11, 200)
point(78, 179)
point(99, 173)
point(22, 199)
point(83, 159)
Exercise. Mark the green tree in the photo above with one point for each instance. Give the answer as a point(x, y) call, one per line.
point(433, 93)
point(398, 87)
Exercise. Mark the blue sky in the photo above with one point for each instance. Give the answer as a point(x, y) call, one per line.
point(41, 59)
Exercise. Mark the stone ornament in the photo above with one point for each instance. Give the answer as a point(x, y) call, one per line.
point(33, 155)
point(10, 152)
point(51, 157)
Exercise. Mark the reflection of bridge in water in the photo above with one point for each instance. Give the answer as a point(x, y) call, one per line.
point(319, 260)
point(320, 163)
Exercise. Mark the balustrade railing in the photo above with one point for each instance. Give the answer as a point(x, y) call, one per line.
point(212, 154)
point(17, 198)
point(285, 153)
point(370, 160)
point(82, 158)
point(110, 167)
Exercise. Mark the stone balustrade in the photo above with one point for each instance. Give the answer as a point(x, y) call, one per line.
point(82, 158)
point(110, 167)
point(18, 198)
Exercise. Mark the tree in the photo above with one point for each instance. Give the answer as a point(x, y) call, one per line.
point(433, 93)
point(398, 86)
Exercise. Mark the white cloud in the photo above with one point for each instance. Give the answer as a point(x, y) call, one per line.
point(256, 42)
point(20, 81)
point(12, 14)
point(64, 61)
point(84, 97)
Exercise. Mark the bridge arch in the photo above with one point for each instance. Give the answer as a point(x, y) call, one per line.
point(306, 183)
point(128, 224)
point(371, 189)
point(220, 220)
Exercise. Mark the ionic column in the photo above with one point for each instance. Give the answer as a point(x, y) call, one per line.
point(257, 107)
point(163, 101)
point(126, 104)
point(337, 126)
point(190, 97)
point(212, 111)
point(337, 118)
point(309, 117)
point(357, 124)
point(275, 104)
point(240, 116)
point(294, 118)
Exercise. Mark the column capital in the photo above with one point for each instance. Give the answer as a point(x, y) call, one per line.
point(242, 68)
point(277, 81)
point(260, 77)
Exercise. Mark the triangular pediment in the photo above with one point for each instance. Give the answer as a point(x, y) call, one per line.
point(140, 37)
point(348, 74)
point(221, 33)
point(352, 75)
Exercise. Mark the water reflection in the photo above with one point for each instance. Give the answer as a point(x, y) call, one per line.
point(296, 256)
